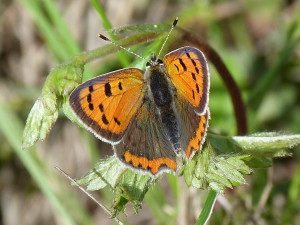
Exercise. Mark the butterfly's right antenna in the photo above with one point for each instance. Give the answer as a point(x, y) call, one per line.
point(120, 46)
point(163, 45)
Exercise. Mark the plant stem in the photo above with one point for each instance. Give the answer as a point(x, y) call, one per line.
point(207, 209)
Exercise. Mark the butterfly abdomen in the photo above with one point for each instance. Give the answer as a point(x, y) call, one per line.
point(170, 124)
point(163, 98)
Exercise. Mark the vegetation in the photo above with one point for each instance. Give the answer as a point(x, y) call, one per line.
point(258, 41)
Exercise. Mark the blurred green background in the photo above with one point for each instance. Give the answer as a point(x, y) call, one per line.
point(259, 43)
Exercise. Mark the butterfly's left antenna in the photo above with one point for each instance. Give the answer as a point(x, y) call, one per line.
point(120, 46)
point(88, 194)
point(163, 45)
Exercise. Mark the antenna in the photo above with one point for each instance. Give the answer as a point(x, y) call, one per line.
point(173, 26)
point(128, 50)
point(87, 193)
point(120, 46)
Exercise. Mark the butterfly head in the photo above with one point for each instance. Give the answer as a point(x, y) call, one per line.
point(154, 61)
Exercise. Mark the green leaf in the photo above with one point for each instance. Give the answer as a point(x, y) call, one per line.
point(229, 170)
point(126, 184)
point(131, 187)
point(106, 172)
point(271, 144)
point(60, 82)
point(209, 170)
point(215, 176)
point(195, 170)
point(188, 173)
point(218, 167)
point(259, 162)
point(256, 145)
point(238, 163)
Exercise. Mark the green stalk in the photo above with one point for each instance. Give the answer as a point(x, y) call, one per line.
point(11, 127)
point(58, 22)
point(207, 208)
point(107, 25)
point(53, 41)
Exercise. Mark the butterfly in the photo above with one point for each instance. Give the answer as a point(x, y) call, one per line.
point(152, 118)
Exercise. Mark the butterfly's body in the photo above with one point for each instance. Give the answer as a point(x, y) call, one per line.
point(160, 95)
point(154, 118)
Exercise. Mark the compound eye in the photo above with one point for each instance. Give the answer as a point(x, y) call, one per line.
point(148, 64)
point(160, 61)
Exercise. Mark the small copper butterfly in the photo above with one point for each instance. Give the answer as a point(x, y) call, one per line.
point(152, 118)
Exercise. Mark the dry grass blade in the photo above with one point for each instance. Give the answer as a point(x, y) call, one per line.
point(88, 194)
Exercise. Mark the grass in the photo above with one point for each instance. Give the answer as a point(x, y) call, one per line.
point(261, 73)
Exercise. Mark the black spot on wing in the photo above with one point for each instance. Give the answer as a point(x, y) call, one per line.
point(182, 64)
point(107, 90)
point(120, 86)
point(197, 88)
point(117, 121)
point(104, 119)
point(194, 76)
point(193, 61)
point(91, 88)
point(101, 107)
point(91, 106)
point(89, 98)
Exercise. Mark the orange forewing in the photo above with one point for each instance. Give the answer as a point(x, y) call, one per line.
point(107, 104)
point(188, 71)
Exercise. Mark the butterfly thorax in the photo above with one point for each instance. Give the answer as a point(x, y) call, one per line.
point(161, 95)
